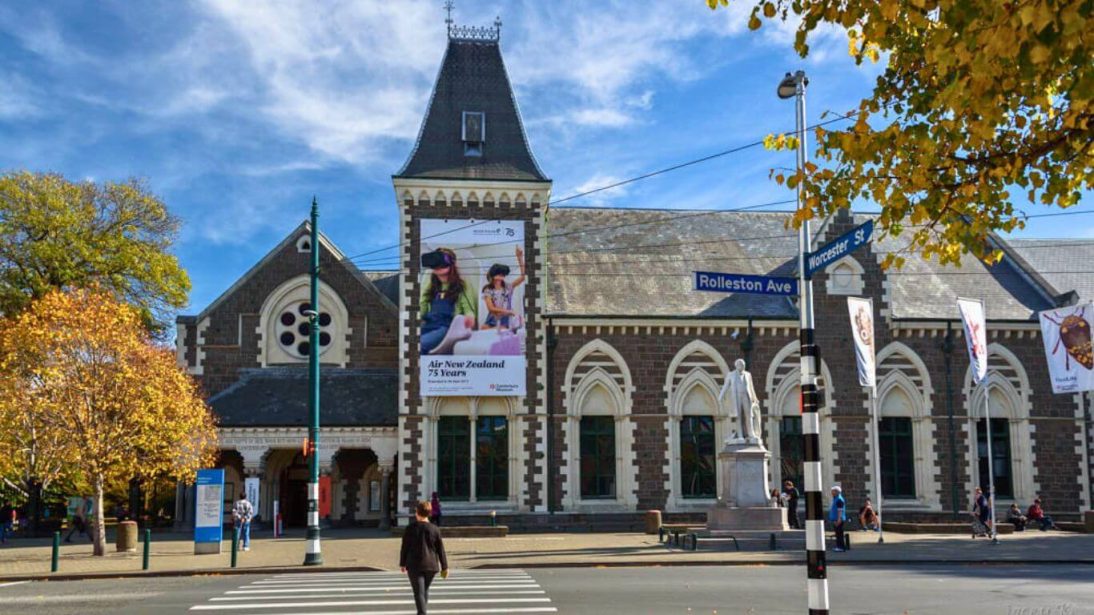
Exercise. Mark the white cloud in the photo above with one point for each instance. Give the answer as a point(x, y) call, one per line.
point(346, 79)
point(600, 183)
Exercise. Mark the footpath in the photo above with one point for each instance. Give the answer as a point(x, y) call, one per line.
point(358, 549)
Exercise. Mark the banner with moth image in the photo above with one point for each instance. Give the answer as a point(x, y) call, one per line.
point(1066, 333)
point(862, 331)
point(976, 336)
point(471, 308)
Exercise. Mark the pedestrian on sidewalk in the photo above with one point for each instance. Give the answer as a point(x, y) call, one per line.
point(981, 514)
point(1037, 514)
point(837, 515)
point(242, 513)
point(1016, 518)
point(79, 520)
point(791, 504)
point(867, 518)
point(7, 511)
point(422, 555)
point(435, 507)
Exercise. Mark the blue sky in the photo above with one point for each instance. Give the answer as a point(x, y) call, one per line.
point(238, 112)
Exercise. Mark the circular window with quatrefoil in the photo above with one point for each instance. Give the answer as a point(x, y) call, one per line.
point(294, 330)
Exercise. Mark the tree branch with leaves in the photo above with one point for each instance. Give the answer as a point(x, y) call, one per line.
point(983, 106)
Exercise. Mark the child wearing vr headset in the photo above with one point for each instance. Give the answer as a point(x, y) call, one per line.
point(447, 309)
point(498, 294)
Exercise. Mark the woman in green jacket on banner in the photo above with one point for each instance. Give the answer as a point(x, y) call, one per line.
point(448, 307)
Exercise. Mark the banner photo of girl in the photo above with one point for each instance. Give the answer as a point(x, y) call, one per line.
point(471, 307)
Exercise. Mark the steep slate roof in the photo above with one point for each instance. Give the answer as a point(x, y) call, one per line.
point(649, 256)
point(278, 396)
point(387, 282)
point(927, 290)
point(1065, 263)
point(652, 274)
point(472, 78)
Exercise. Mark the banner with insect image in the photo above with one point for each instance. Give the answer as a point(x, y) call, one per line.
point(471, 308)
point(862, 331)
point(1066, 333)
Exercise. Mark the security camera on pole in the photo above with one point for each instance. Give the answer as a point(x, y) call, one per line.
point(793, 86)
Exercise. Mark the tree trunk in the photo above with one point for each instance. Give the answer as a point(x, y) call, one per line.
point(100, 523)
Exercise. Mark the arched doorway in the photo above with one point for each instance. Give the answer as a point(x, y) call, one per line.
point(294, 492)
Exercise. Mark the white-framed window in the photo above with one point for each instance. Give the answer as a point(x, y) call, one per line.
point(598, 431)
point(697, 425)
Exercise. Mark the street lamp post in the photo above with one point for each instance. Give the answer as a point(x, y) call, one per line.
point(793, 86)
point(314, 554)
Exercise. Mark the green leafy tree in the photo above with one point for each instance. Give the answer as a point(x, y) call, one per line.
point(60, 234)
point(983, 105)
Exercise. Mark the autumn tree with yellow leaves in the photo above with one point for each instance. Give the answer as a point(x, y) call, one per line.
point(984, 107)
point(106, 399)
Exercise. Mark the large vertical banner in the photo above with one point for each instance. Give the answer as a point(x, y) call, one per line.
point(250, 486)
point(976, 336)
point(471, 308)
point(208, 511)
point(862, 331)
point(1067, 338)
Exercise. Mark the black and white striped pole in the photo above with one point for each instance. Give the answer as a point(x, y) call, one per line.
point(793, 86)
point(313, 555)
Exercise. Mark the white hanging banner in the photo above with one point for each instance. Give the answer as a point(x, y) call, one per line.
point(1066, 333)
point(250, 487)
point(862, 331)
point(976, 336)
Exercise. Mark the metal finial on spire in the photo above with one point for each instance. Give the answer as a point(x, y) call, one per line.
point(448, 6)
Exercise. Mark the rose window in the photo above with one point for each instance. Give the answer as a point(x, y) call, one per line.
point(294, 333)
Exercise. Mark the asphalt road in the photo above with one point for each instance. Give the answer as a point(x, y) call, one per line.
point(966, 590)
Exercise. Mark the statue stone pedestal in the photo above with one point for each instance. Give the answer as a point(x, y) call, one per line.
point(746, 504)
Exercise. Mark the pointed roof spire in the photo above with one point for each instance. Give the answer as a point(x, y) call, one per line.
point(472, 83)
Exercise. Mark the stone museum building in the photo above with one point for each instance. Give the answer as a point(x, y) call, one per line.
point(623, 360)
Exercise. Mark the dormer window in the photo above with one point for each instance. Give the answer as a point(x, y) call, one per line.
point(473, 132)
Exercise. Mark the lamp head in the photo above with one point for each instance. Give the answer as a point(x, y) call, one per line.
point(310, 313)
point(788, 87)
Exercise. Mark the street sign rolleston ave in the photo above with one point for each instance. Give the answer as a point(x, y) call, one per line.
point(743, 283)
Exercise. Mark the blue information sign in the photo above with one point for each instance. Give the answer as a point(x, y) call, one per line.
point(837, 249)
point(208, 511)
point(742, 283)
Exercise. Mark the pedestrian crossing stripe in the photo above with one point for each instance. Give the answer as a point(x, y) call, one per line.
point(383, 593)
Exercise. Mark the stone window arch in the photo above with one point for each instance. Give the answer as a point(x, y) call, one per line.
point(904, 392)
point(845, 277)
point(598, 384)
point(283, 327)
point(782, 427)
point(1007, 389)
point(692, 383)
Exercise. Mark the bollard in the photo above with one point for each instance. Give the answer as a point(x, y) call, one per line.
point(55, 560)
point(771, 544)
point(235, 545)
point(694, 541)
point(660, 534)
point(147, 548)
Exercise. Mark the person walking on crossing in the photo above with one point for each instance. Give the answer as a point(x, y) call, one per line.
point(422, 555)
point(242, 513)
